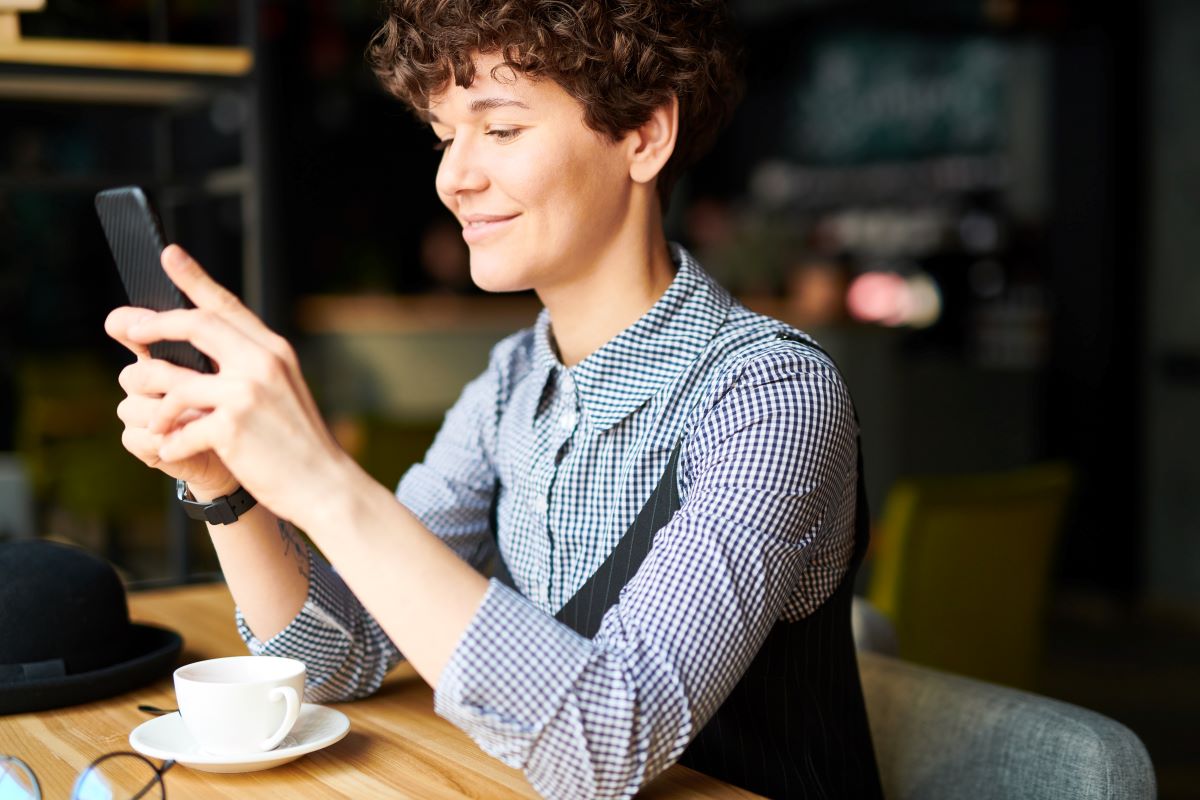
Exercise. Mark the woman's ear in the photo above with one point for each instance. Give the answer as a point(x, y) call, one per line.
point(653, 142)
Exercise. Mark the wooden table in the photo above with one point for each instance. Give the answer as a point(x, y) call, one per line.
point(397, 746)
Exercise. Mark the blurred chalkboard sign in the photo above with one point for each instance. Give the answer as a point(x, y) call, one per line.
point(872, 96)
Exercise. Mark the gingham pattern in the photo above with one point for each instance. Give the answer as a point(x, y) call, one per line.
point(767, 483)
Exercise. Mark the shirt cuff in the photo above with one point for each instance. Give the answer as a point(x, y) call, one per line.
point(494, 690)
point(322, 625)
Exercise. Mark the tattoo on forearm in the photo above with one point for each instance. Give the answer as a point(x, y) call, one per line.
point(294, 546)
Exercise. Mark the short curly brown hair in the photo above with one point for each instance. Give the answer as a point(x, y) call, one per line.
point(620, 60)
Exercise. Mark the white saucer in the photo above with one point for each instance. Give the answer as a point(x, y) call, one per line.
point(166, 737)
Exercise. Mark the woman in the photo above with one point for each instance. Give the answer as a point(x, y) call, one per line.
point(670, 480)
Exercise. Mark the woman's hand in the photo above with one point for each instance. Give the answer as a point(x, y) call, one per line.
point(145, 382)
point(254, 415)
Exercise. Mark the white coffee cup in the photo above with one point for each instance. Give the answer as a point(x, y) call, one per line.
point(240, 705)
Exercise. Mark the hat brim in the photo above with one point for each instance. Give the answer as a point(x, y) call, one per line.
point(150, 653)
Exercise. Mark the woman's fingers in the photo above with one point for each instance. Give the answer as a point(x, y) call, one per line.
point(187, 274)
point(218, 303)
point(192, 439)
point(152, 376)
point(190, 399)
point(208, 295)
point(147, 446)
point(143, 444)
point(140, 411)
point(235, 353)
point(137, 410)
point(118, 323)
point(212, 334)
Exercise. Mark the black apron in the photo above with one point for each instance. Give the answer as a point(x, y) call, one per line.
point(795, 725)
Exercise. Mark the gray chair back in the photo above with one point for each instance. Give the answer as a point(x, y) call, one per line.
point(939, 736)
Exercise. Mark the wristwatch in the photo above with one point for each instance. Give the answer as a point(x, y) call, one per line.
point(222, 510)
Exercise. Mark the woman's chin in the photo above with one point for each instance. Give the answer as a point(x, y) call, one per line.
point(497, 277)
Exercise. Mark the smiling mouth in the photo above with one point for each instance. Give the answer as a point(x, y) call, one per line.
point(476, 229)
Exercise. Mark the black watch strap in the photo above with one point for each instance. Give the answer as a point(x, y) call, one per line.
point(218, 511)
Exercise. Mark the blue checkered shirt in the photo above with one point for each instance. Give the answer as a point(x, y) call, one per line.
point(766, 479)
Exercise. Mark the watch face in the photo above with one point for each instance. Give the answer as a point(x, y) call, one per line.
point(193, 508)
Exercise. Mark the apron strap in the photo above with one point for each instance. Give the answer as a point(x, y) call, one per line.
point(585, 610)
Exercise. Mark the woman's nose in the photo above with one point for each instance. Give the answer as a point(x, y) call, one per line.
point(460, 170)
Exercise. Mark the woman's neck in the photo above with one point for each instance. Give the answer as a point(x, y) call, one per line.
point(621, 285)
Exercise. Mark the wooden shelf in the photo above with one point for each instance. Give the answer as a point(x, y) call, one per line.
point(428, 313)
point(100, 90)
point(416, 313)
point(193, 60)
point(121, 73)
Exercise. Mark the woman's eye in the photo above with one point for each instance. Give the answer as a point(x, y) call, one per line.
point(505, 134)
point(442, 144)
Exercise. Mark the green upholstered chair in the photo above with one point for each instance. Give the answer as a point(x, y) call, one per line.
point(69, 438)
point(962, 568)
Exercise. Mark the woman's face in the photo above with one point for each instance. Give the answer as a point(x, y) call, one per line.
point(538, 193)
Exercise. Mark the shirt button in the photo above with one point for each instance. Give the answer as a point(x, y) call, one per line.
point(540, 505)
point(567, 421)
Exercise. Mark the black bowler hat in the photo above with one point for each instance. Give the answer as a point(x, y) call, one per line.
point(65, 634)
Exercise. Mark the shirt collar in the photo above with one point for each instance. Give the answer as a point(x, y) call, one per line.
point(630, 368)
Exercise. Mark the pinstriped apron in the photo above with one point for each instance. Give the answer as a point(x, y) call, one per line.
point(795, 725)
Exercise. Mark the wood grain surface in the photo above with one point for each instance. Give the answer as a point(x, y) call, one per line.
point(397, 746)
point(132, 56)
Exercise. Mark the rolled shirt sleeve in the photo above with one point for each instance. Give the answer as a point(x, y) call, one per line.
point(767, 470)
point(345, 652)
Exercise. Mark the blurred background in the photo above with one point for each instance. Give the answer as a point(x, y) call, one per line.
point(987, 210)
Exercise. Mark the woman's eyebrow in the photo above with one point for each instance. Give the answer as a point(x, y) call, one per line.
point(485, 104)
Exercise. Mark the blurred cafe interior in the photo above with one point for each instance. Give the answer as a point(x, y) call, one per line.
point(986, 210)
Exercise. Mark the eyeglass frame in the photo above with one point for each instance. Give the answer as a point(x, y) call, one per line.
point(158, 773)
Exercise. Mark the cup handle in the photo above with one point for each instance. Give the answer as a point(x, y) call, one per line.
point(289, 695)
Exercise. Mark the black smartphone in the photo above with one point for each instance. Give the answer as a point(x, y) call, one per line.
point(136, 239)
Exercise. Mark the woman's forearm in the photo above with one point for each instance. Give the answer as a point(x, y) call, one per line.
point(418, 590)
point(265, 563)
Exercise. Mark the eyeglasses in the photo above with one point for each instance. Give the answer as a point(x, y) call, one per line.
point(114, 776)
